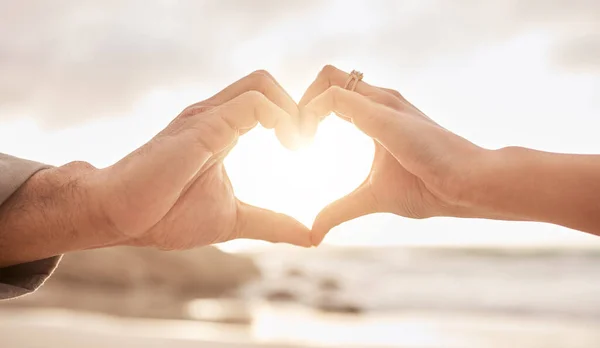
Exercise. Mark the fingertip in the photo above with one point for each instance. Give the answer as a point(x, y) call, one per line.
point(262, 224)
point(317, 238)
point(289, 135)
point(319, 230)
point(291, 141)
point(302, 238)
point(286, 130)
point(309, 123)
point(307, 243)
point(299, 234)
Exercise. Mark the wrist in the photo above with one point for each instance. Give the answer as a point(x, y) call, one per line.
point(74, 192)
point(529, 185)
point(52, 213)
point(485, 184)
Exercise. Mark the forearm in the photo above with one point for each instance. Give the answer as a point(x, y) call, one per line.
point(52, 213)
point(524, 184)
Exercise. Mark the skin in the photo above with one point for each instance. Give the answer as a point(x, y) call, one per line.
point(171, 193)
point(422, 170)
point(174, 193)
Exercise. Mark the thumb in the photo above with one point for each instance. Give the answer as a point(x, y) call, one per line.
point(356, 204)
point(262, 224)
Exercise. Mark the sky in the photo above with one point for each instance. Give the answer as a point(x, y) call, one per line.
point(93, 80)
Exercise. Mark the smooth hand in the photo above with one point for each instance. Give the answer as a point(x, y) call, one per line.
point(419, 168)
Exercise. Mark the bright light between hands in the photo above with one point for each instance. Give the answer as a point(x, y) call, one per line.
point(300, 183)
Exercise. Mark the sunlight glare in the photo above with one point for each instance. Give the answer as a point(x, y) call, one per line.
point(300, 183)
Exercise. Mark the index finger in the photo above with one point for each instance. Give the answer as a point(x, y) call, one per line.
point(262, 82)
point(368, 116)
point(399, 133)
point(259, 81)
point(331, 76)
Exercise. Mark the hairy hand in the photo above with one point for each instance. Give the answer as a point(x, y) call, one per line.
point(174, 192)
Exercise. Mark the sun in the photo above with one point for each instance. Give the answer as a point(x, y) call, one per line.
point(301, 182)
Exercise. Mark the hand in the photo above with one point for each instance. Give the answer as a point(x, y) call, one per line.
point(174, 193)
point(419, 168)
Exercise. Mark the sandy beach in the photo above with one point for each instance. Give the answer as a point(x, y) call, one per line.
point(279, 328)
point(367, 297)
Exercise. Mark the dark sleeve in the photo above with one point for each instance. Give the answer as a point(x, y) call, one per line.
point(20, 279)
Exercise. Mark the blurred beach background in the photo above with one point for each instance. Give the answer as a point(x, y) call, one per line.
point(93, 80)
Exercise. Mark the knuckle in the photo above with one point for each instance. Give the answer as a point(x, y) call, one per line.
point(328, 70)
point(263, 73)
point(325, 75)
point(324, 79)
point(253, 97)
point(261, 81)
point(211, 134)
point(195, 109)
point(394, 93)
point(335, 92)
point(336, 89)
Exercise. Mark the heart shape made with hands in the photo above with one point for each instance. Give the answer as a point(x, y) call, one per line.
point(322, 177)
point(300, 183)
point(395, 156)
